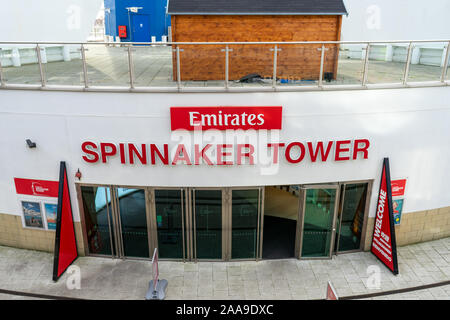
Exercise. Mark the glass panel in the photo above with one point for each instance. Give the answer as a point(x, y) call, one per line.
point(107, 66)
point(20, 65)
point(64, 65)
point(352, 216)
point(299, 64)
point(168, 206)
point(201, 65)
point(133, 222)
point(244, 222)
point(153, 66)
point(387, 63)
point(318, 222)
point(350, 64)
point(250, 65)
point(97, 218)
point(426, 61)
point(208, 223)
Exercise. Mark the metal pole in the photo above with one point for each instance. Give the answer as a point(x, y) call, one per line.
point(129, 26)
point(130, 67)
point(2, 80)
point(226, 66)
point(408, 63)
point(41, 70)
point(444, 67)
point(366, 66)
point(178, 68)
point(322, 58)
point(275, 54)
point(83, 59)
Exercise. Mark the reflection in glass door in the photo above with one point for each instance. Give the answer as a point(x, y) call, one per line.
point(132, 222)
point(245, 208)
point(351, 216)
point(98, 220)
point(207, 207)
point(318, 222)
point(169, 204)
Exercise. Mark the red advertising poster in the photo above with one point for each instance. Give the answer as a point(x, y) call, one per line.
point(42, 188)
point(383, 241)
point(398, 187)
point(65, 242)
point(224, 118)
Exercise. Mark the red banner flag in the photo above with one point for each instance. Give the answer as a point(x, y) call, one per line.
point(384, 246)
point(65, 242)
point(331, 293)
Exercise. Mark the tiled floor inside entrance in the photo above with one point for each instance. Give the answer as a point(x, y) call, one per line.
point(104, 278)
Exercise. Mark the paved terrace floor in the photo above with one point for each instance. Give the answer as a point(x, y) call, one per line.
point(105, 278)
point(108, 66)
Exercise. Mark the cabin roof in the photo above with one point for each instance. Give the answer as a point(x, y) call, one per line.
point(256, 7)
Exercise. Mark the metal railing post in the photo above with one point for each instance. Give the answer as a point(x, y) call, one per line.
point(2, 79)
point(83, 60)
point(41, 69)
point(366, 66)
point(130, 66)
point(408, 63)
point(227, 66)
point(275, 58)
point(445, 66)
point(322, 59)
point(178, 69)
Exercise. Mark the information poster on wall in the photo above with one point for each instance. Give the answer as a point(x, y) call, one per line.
point(38, 202)
point(398, 193)
point(32, 214)
point(50, 214)
point(397, 206)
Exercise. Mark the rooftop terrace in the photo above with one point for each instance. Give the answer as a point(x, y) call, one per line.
point(151, 67)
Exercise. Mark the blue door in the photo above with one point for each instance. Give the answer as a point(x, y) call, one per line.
point(141, 28)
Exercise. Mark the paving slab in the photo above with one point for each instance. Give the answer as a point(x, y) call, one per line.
point(105, 278)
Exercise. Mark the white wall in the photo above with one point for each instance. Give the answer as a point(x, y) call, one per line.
point(396, 20)
point(410, 126)
point(47, 20)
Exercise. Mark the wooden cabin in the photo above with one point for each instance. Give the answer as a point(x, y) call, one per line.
point(252, 21)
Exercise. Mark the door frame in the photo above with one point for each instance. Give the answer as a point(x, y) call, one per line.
point(115, 226)
point(188, 215)
point(192, 228)
point(153, 224)
point(301, 221)
point(116, 211)
point(259, 226)
point(365, 218)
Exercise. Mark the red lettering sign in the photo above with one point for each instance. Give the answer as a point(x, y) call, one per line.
point(383, 241)
point(224, 118)
point(225, 154)
point(41, 188)
point(398, 187)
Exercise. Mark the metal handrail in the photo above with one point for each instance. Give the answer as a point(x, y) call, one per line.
point(409, 44)
point(223, 43)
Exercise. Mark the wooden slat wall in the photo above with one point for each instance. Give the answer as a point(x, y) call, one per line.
point(295, 62)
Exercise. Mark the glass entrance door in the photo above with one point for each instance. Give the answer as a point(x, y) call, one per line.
point(98, 223)
point(245, 223)
point(351, 216)
point(207, 209)
point(319, 212)
point(132, 222)
point(169, 207)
